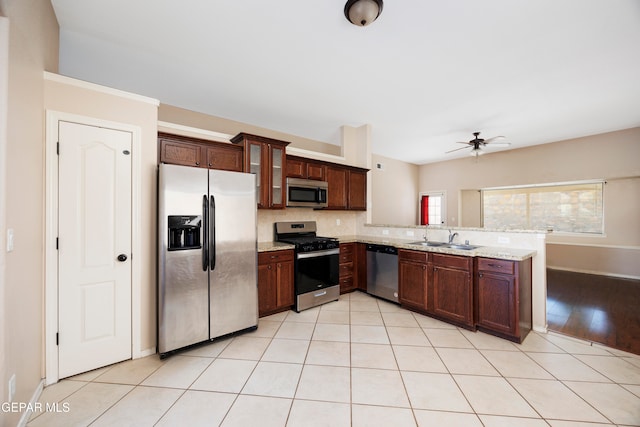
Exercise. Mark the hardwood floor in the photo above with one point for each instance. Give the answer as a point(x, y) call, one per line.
point(601, 309)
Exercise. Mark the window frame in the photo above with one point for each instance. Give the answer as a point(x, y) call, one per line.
point(443, 206)
point(602, 182)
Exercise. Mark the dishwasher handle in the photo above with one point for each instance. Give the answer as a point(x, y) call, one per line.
point(384, 249)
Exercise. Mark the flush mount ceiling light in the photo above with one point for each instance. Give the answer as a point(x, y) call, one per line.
point(362, 12)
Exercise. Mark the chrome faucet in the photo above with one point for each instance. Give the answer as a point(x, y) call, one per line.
point(452, 236)
point(426, 233)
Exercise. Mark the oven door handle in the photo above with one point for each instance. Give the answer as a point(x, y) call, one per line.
point(316, 254)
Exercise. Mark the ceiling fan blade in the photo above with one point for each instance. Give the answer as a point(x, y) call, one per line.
point(460, 142)
point(457, 149)
point(500, 144)
point(490, 140)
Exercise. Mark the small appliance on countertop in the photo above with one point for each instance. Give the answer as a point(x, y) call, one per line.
point(316, 263)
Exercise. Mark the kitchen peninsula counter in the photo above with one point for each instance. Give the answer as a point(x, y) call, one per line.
point(512, 254)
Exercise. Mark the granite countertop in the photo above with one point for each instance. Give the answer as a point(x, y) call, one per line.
point(513, 254)
point(273, 246)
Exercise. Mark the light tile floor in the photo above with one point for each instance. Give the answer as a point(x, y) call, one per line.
point(359, 361)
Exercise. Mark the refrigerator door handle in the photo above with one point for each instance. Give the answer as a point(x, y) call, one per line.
point(212, 232)
point(205, 233)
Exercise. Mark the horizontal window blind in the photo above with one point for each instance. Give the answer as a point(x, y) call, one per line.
point(573, 208)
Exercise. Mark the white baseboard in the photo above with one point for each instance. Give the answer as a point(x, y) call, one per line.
point(144, 353)
point(540, 330)
point(24, 419)
point(598, 273)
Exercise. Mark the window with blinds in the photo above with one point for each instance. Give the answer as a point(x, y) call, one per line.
point(568, 207)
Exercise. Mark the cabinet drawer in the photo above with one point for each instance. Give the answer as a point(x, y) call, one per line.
point(346, 282)
point(346, 257)
point(346, 269)
point(347, 248)
point(496, 265)
point(415, 256)
point(452, 261)
point(275, 256)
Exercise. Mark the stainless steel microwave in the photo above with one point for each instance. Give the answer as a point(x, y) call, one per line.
point(306, 193)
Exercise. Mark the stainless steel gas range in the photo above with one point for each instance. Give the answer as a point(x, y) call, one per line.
point(316, 263)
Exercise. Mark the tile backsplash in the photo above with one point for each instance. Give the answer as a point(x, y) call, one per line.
point(330, 223)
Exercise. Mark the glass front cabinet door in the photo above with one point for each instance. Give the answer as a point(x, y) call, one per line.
point(265, 157)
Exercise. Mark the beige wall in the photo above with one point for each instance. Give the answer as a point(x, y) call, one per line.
point(176, 115)
point(611, 156)
point(33, 47)
point(394, 197)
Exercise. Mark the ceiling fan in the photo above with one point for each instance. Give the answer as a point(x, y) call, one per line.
point(478, 143)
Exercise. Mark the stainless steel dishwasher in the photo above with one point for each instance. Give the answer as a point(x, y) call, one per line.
point(382, 271)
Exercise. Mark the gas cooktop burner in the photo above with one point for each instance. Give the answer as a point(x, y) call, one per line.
point(308, 244)
point(303, 236)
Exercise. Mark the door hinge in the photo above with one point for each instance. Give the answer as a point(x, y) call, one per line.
point(56, 243)
point(57, 338)
point(58, 148)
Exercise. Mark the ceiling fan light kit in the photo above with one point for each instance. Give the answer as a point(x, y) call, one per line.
point(362, 12)
point(478, 143)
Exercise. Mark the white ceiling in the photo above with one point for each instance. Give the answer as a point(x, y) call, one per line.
point(426, 74)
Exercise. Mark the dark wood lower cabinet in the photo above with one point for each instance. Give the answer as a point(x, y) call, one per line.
point(452, 295)
point(275, 282)
point(361, 266)
point(346, 267)
point(503, 297)
point(413, 279)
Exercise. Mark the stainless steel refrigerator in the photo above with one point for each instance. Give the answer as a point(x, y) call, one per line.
point(207, 255)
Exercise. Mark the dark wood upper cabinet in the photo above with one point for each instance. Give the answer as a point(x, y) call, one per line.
point(179, 152)
point(187, 151)
point(357, 190)
point(337, 187)
point(296, 167)
point(266, 158)
point(299, 167)
point(316, 171)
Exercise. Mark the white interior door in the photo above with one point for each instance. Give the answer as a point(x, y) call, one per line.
point(94, 249)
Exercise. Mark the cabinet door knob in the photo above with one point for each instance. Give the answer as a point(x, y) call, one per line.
point(480, 275)
point(197, 163)
point(269, 267)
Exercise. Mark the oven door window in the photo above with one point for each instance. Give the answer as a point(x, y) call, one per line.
point(316, 273)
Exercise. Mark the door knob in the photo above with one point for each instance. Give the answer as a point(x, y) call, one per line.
point(122, 257)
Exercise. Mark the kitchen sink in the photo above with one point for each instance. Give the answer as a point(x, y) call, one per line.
point(423, 243)
point(462, 247)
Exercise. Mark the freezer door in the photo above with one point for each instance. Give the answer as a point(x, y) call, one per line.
point(233, 278)
point(183, 293)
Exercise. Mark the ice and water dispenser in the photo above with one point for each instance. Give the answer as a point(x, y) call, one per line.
point(184, 232)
